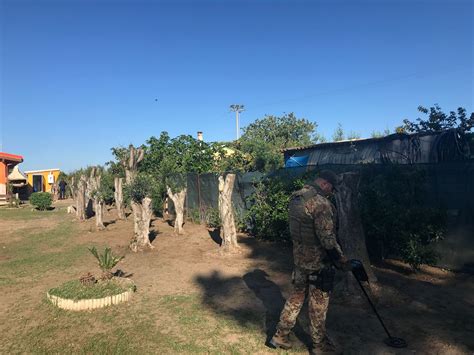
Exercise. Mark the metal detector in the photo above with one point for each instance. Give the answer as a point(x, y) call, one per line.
point(361, 275)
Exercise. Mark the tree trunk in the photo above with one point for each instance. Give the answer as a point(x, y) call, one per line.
point(81, 199)
point(178, 201)
point(141, 211)
point(351, 235)
point(99, 214)
point(90, 187)
point(137, 216)
point(73, 188)
point(229, 233)
point(118, 194)
point(55, 191)
point(142, 217)
point(94, 184)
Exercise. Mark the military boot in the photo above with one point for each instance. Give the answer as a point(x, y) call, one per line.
point(325, 347)
point(280, 341)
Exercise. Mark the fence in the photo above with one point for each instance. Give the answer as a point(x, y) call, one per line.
point(449, 185)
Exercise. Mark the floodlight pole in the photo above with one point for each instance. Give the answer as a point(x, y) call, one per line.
point(237, 109)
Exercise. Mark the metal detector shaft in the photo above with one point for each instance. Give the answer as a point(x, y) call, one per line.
point(373, 307)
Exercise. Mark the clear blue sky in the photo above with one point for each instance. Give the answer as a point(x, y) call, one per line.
point(79, 77)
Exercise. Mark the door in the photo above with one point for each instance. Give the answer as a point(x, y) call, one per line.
point(37, 183)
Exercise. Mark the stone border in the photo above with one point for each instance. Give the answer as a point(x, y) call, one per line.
point(94, 303)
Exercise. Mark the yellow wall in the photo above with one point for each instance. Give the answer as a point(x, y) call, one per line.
point(45, 173)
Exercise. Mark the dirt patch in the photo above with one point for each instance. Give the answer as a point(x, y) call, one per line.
point(431, 309)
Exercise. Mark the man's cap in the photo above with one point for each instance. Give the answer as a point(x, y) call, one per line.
point(330, 176)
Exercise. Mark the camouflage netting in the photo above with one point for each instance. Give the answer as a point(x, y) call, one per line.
point(448, 184)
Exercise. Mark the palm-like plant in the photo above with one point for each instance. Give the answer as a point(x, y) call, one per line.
point(107, 261)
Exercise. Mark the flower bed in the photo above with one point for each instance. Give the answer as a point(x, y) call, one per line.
point(72, 295)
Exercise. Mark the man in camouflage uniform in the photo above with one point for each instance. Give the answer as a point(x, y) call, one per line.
point(313, 220)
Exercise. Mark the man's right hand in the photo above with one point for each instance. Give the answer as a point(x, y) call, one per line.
point(344, 264)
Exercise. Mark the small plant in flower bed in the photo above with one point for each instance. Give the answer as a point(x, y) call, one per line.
point(107, 261)
point(75, 290)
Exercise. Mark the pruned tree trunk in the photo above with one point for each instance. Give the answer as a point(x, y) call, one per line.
point(142, 216)
point(99, 215)
point(137, 216)
point(89, 201)
point(73, 188)
point(135, 156)
point(55, 191)
point(178, 199)
point(351, 234)
point(228, 231)
point(142, 212)
point(118, 194)
point(94, 193)
point(81, 199)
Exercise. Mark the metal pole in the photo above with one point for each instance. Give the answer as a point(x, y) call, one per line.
point(373, 308)
point(237, 122)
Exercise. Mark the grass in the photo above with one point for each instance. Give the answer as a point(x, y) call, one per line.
point(73, 289)
point(24, 213)
point(36, 252)
point(148, 324)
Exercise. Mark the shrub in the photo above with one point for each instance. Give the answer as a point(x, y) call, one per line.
point(213, 218)
point(194, 215)
point(41, 200)
point(396, 218)
point(267, 217)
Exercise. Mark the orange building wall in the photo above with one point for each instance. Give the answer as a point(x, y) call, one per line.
point(3, 178)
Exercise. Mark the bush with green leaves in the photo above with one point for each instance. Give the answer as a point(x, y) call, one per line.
point(107, 261)
point(41, 200)
point(142, 186)
point(213, 218)
point(267, 217)
point(397, 219)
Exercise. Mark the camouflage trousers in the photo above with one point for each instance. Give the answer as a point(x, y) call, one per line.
point(318, 302)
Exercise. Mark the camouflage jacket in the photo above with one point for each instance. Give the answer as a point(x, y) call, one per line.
point(313, 220)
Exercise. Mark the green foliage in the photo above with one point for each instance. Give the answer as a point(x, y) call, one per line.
point(213, 218)
point(338, 134)
point(264, 139)
point(105, 192)
point(396, 220)
point(41, 200)
point(353, 135)
point(107, 261)
point(268, 214)
point(378, 134)
point(194, 215)
point(142, 186)
point(437, 121)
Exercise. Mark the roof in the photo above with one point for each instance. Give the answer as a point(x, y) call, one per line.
point(398, 148)
point(11, 157)
point(16, 174)
point(349, 141)
point(40, 171)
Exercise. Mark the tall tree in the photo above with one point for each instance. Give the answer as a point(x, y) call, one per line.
point(437, 120)
point(264, 139)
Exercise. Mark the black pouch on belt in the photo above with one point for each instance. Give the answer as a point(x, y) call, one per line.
point(324, 279)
